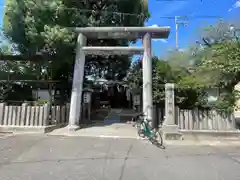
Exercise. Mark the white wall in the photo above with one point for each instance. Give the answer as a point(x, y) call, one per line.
point(42, 93)
point(212, 94)
point(237, 88)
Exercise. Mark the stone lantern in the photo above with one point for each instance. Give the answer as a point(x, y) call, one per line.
point(87, 96)
point(86, 105)
point(136, 95)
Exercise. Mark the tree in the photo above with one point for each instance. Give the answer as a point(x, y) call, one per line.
point(165, 72)
point(134, 77)
point(215, 34)
point(214, 64)
point(220, 63)
point(15, 92)
point(44, 26)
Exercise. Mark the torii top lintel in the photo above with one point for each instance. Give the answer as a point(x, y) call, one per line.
point(123, 32)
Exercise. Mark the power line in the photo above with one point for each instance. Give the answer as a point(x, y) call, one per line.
point(88, 10)
point(187, 17)
point(171, 0)
point(133, 14)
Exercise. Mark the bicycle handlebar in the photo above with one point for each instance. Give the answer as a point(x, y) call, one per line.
point(140, 114)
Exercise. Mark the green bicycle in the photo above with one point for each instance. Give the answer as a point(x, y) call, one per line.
point(145, 129)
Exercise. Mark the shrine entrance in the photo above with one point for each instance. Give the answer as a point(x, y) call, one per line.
point(130, 33)
point(118, 96)
point(113, 95)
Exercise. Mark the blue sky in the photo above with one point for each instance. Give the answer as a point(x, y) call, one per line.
point(227, 9)
point(1, 11)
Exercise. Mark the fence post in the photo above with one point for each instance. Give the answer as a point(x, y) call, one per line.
point(63, 114)
point(28, 113)
point(32, 111)
point(67, 113)
point(58, 115)
point(41, 120)
point(155, 116)
point(6, 112)
point(14, 118)
point(177, 116)
point(83, 115)
point(36, 116)
point(46, 109)
point(10, 114)
point(2, 107)
point(19, 111)
point(234, 124)
point(170, 128)
point(89, 112)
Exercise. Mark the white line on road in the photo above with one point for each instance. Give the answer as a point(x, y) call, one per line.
point(107, 136)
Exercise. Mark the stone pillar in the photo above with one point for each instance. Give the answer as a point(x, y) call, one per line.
point(77, 86)
point(170, 128)
point(169, 104)
point(147, 77)
point(87, 100)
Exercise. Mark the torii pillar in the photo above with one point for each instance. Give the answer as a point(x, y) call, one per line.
point(147, 77)
point(77, 85)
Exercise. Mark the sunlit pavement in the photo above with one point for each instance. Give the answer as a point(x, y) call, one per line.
point(118, 130)
point(36, 157)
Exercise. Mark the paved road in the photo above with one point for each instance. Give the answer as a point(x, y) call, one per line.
point(81, 158)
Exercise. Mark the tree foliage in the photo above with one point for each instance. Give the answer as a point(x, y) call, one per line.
point(215, 65)
point(220, 63)
point(43, 26)
point(164, 72)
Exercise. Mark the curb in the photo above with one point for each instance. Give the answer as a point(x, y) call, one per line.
point(166, 142)
point(92, 135)
point(203, 143)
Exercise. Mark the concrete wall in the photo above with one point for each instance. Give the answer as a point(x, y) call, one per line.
point(213, 94)
point(43, 94)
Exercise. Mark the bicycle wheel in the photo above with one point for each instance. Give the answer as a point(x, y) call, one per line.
point(157, 138)
point(140, 127)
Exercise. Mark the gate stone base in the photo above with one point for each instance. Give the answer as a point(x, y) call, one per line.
point(73, 128)
point(171, 132)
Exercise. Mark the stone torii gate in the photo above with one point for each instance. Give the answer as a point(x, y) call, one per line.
point(130, 33)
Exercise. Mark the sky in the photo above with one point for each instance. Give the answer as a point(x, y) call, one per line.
point(1, 11)
point(196, 12)
point(192, 9)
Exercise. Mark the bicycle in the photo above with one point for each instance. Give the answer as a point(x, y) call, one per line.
point(145, 129)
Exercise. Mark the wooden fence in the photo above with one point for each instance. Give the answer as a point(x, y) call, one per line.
point(33, 115)
point(205, 120)
point(200, 119)
point(59, 114)
point(45, 115)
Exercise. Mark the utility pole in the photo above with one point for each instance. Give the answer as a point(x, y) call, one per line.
point(176, 31)
point(179, 20)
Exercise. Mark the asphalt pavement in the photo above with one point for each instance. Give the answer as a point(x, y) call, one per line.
point(38, 157)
